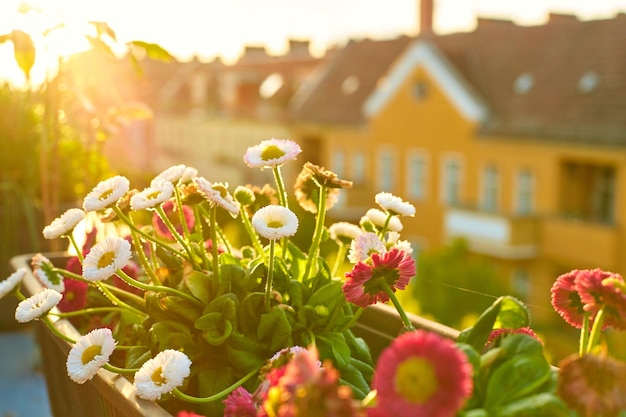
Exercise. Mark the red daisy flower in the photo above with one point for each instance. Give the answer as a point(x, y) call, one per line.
point(364, 284)
point(74, 296)
point(170, 211)
point(566, 300)
point(598, 288)
point(187, 414)
point(240, 404)
point(422, 374)
point(497, 334)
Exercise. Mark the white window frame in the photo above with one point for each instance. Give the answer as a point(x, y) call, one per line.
point(386, 181)
point(444, 191)
point(338, 162)
point(524, 205)
point(417, 191)
point(490, 188)
point(359, 167)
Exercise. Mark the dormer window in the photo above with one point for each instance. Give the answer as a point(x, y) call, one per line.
point(420, 90)
point(588, 82)
point(523, 83)
point(271, 85)
point(350, 84)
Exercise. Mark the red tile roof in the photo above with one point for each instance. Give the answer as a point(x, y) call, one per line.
point(491, 58)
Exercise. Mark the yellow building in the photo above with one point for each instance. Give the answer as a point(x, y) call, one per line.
point(511, 137)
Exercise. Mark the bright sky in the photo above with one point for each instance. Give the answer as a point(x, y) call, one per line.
point(221, 27)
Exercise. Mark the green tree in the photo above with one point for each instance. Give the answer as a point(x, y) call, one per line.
point(451, 283)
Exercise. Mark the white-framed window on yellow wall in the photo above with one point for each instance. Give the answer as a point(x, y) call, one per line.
point(338, 162)
point(490, 188)
point(359, 167)
point(451, 179)
point(524, 192)
point(386, 174)
point(521, 283)
point(416, 174)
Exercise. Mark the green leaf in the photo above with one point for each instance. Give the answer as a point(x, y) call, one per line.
point(333, 346)
point(135, 357)
point(540, 405)
point(153, 51)
point(516, 378)
point(245, 353)
point(199, 284)
point(275, 330)
point(212, 381)
point(215, 330)
point(358, 347)
point(513, 314)
point(23, 51)
point(328, 295)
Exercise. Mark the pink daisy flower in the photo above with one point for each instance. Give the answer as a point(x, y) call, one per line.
point(364, 284)
point(74, 296)
point(598, 288)
point(188, 414)
point(170, 211)
point(422, 374)
point(566, 301)
point(497, 334)
point(240, 404)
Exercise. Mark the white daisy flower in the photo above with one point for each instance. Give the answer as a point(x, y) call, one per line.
point(274, 222)
point(157, 193)
point(45, 273)
point(105, 258)
point(161, 374)
point(189, 174)
point(271, 153)
point(217, 193)
point(393, 241)
point(12, 281)
point(37, 305)
point(394, 205)
point(172, 174)
point(344, 231)
point(379, 217)
point(106, 193)
point(363, 246)
point(64, 224)
point(90, 353)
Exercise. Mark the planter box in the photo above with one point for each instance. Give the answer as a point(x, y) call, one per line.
point(112, 395)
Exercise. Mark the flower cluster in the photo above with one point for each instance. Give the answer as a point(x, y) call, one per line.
point(206, 297)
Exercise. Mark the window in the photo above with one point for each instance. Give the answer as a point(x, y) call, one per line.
point(491, 188)
point(420, 90)
point(417, 169)
point(520, 283)
point(386, 177)
point(525, 192)
point(358, 167)
point(338, 163)
point(451, 186)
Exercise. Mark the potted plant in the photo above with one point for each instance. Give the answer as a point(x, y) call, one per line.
point(164, 303)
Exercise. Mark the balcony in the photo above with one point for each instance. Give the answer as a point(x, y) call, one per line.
point(579, 243)
point(494, 234)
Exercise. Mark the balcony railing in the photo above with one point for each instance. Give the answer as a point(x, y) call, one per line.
point(579, 243)
point(495, 234)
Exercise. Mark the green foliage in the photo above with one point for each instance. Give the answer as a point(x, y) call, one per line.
point(446, 280)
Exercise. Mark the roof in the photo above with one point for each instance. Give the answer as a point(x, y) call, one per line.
point(338, 89)
point(564, 80)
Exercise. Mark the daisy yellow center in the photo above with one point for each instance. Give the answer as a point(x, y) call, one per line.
point(275, 224)
point(272, 152)
point(157, 377)
point(106, 259)
point(105, 195)
point(153, 195)
point(90, 353)
point(416, 380)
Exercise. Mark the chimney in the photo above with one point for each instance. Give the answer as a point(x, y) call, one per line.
point(426, 16)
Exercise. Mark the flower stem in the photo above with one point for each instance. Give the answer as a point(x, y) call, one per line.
point(117, 370)
point(175, 233)
point(339, 259)
point(214, 249)
point(596, 330)
point(197, 400)
point(408, 326)
point(115, 300)
point(270, 276)
point(317, 235)
point(254, 237)
point(584, 335)
point(79, 252)
point(46, 320)
point(181, 213)
point(143, 259)
point(87, 311)
point(382, 232)
point(146, 287)
point(280, 185)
